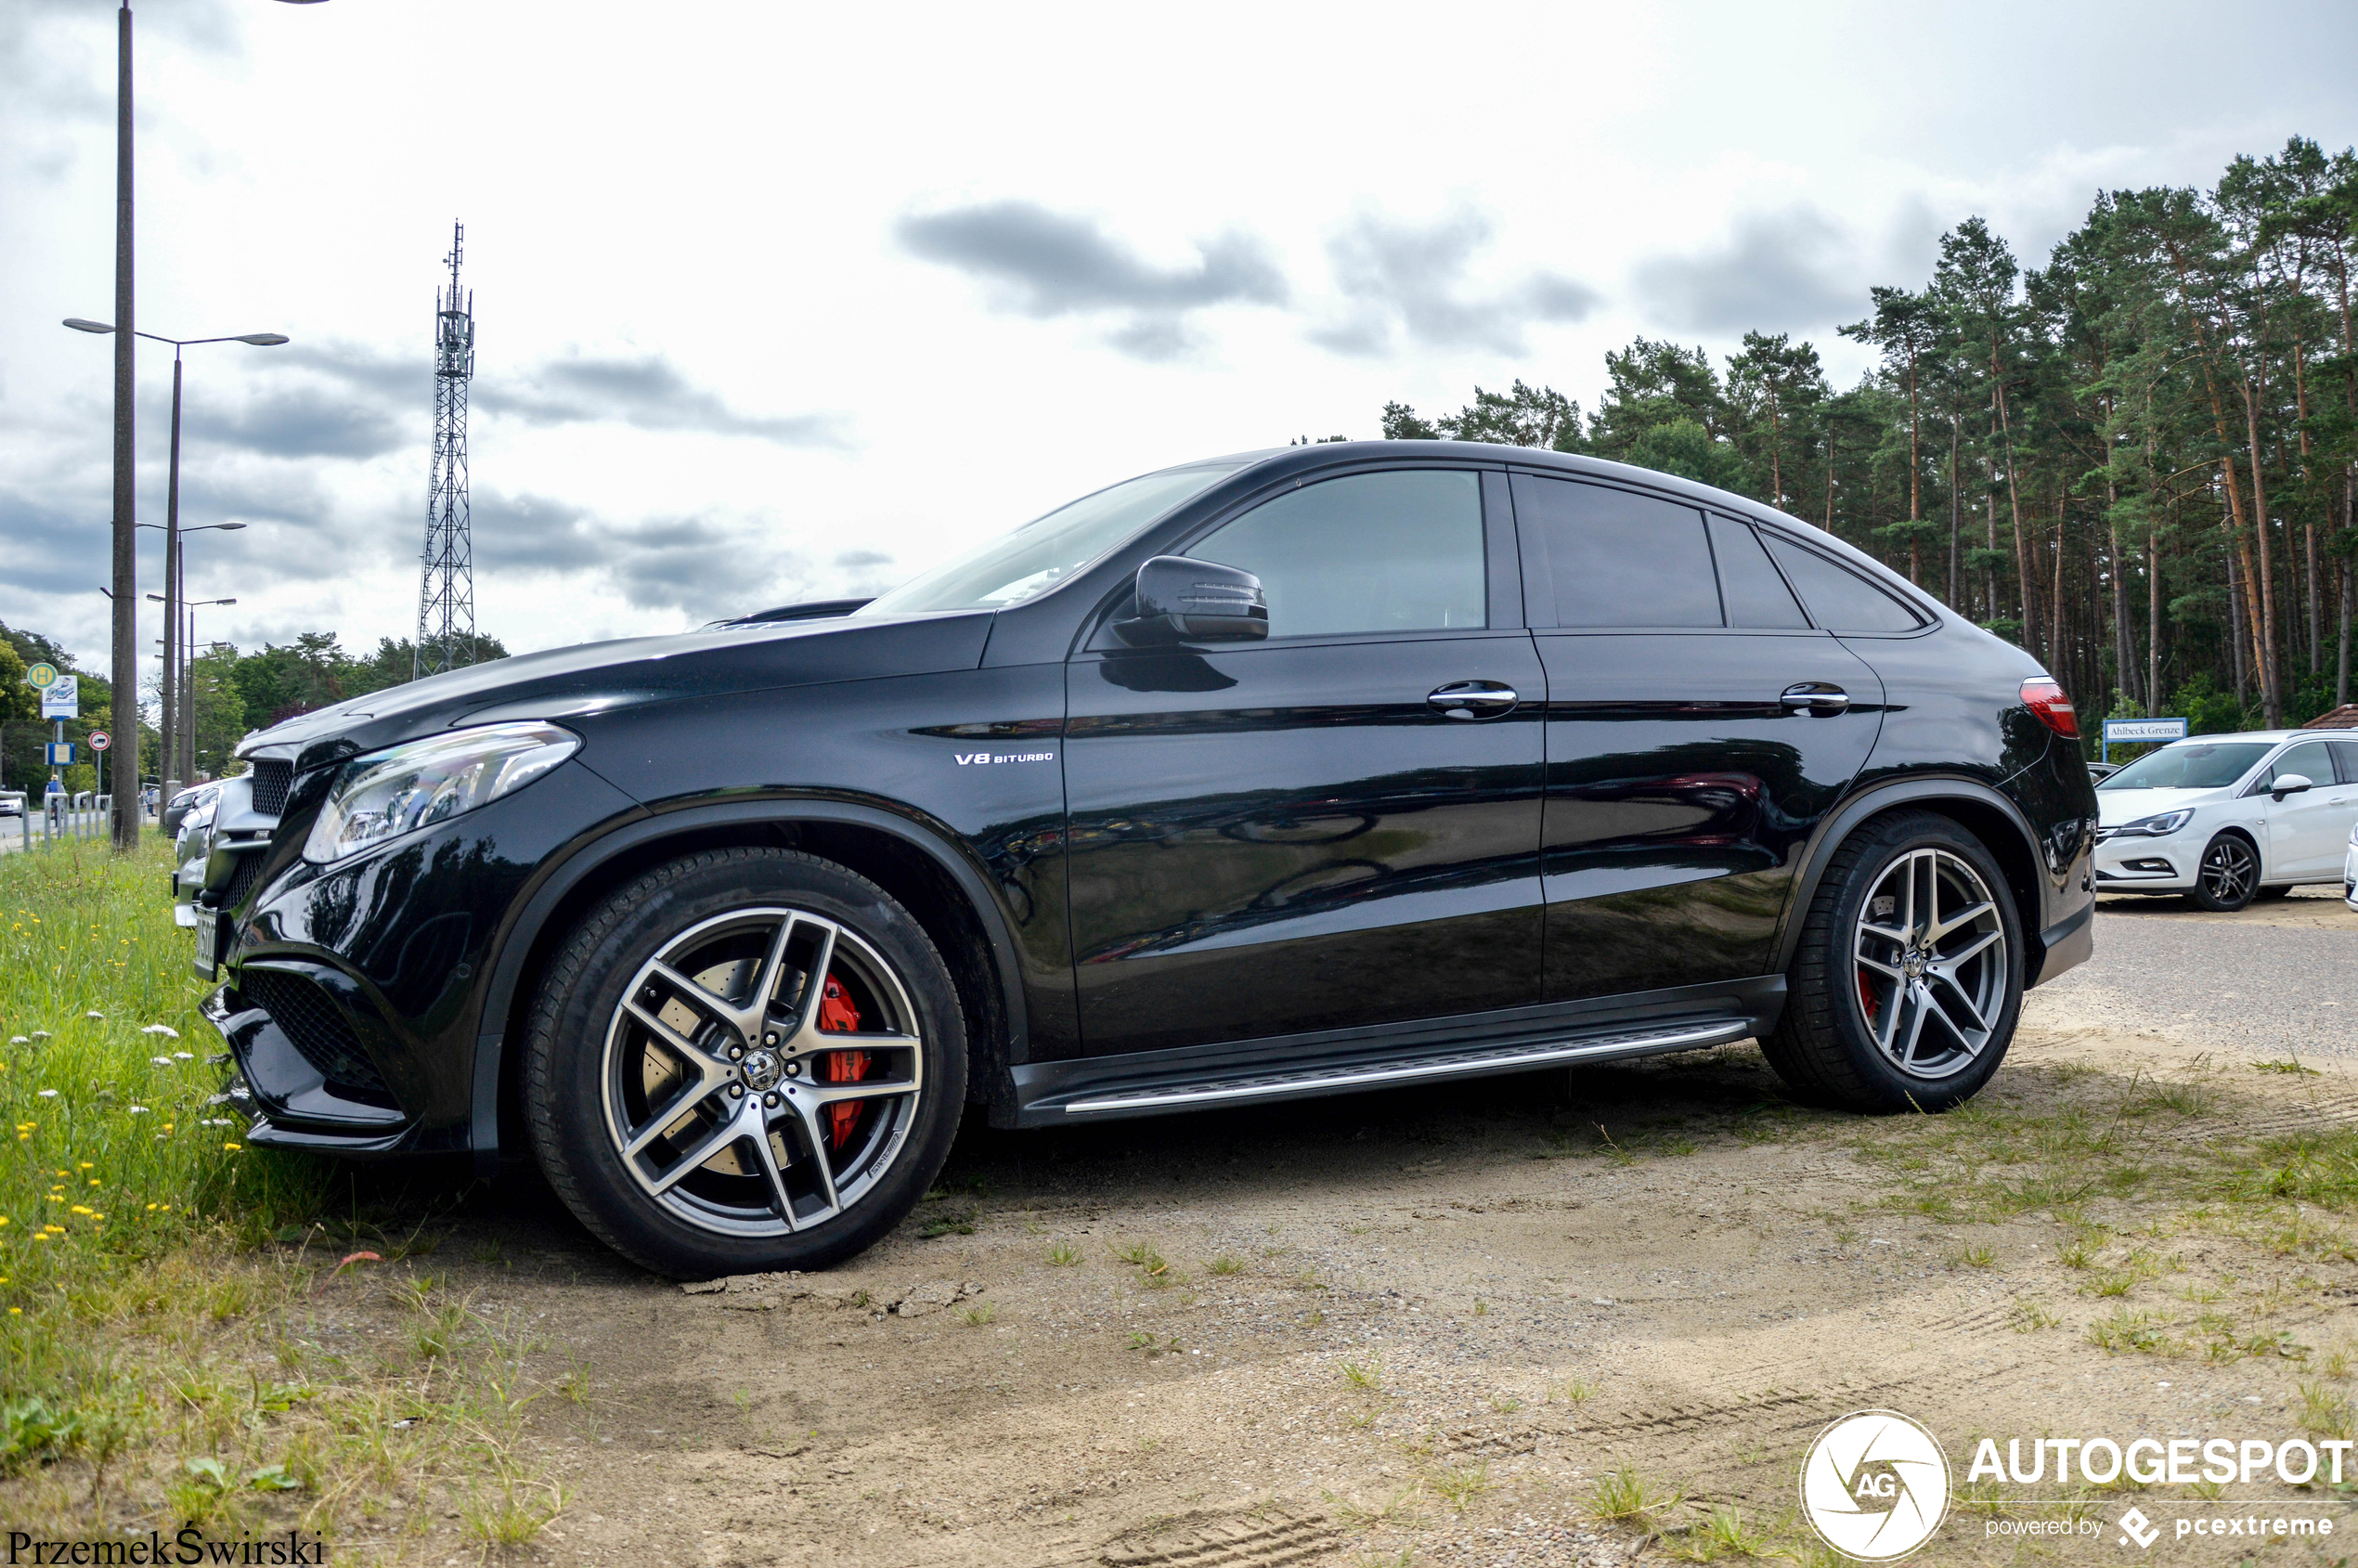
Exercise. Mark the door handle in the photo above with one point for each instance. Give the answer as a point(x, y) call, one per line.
point(1473, 699)
point(1814, 697)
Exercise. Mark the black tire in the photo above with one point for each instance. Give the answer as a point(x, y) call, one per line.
point(2228, 875)
point(1825, 1047)
point(573, 1056)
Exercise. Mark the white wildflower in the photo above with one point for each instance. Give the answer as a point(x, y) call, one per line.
point(48, 1094)
point(20, 1040)
point(160, 1061)
point(93, 1014)
point(41, 1034)
point(139, 1110)
point(185, 1055)
point(165, 1030)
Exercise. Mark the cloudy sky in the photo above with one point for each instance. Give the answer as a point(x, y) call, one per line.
point(780, 301)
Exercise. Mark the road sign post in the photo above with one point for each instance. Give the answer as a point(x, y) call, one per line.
point(99, 741)
point(2130, 731)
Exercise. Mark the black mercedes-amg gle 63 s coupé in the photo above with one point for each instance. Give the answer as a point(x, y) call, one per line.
point(1287, 773)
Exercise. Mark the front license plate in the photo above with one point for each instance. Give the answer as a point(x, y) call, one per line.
point(208, 959)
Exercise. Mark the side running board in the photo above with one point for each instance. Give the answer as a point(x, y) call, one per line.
point(1688, 1035)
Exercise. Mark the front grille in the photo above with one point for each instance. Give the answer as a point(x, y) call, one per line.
point(241, 880)
point(316, 1028)
point(271, 778)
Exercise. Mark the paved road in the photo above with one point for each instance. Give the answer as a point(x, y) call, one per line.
point(2279, 979)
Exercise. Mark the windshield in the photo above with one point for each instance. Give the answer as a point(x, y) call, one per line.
point(2213, 766)
point(1045, 551)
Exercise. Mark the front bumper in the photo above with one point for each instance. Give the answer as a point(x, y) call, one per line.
point(2137, 863)
point(355, 993)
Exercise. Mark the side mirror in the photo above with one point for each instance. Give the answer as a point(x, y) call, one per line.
point(1183, 601)
point(2289, 783)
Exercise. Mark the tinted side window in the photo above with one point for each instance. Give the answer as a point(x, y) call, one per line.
point(1619, 559)
point(2310, 759)
point(1755, 595)
point(2346, 758)
point(1370, 552)
point(1840, 600)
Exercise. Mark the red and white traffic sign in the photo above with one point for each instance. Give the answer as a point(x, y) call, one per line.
point(101, 739)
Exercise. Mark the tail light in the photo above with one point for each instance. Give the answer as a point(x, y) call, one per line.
point(2044, 697)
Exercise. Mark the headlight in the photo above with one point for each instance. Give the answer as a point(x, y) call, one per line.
point(390, 793)
point(2161, 826)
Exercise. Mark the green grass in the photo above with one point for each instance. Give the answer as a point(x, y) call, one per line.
point(161, 1281)
point(118, 1159)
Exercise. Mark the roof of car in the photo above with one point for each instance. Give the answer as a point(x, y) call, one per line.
point(2271, 736)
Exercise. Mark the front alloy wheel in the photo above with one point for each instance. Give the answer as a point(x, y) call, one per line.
point(2228, 875)
point(745, 1060)
point(762, 1071)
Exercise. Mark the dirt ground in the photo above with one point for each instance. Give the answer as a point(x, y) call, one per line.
point(1423, 1327)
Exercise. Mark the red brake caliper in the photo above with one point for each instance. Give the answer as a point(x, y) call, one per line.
point(838, 1016)
point(1867, 1002)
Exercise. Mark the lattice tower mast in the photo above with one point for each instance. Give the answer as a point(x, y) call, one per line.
point(446, 583)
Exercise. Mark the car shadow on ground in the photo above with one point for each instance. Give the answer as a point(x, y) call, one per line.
point(1314, 1151)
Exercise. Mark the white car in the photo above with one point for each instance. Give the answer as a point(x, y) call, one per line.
point(2223, 818)
point(2349, 870)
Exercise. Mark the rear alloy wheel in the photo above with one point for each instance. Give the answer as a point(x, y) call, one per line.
point(1930, 961)
point(747, 1059)
point(1907, 981)
point(2229, 875)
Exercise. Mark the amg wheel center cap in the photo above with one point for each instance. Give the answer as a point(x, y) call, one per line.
point(762, 1069)
point(1912, 966)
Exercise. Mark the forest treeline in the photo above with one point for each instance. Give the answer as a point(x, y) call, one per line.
point(236, 691)
point(2139, 461)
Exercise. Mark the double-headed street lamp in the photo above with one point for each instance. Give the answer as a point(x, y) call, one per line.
point(176, 719)
point(124, 663)
point(186, 752)
point(172, 576)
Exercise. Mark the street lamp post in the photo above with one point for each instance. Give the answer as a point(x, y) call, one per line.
point(124, 591)
point(176, 591)
point(173, 589)
point(189, 695)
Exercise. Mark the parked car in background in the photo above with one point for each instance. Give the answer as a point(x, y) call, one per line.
point(2349, 870)
point(177, 809)
point(2100, 772)
point(2225, 819)
point(1290, 773)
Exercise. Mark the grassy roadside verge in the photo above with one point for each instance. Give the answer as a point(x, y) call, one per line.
point(166, 1294)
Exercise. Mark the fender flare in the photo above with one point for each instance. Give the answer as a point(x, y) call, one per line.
point(524, 931)
point(1837, 826)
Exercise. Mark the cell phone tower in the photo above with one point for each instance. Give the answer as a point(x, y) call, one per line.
point(446, 582)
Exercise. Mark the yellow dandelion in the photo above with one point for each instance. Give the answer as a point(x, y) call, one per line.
point(16, 1312)
point(152, 1207)
point(93, 1181)
point(233, 1148)
point(84, 1165)
point(79, 1209)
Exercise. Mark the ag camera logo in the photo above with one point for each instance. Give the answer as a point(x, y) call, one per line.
point(1874, 1485)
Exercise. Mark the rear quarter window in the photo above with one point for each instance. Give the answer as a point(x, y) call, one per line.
point(1837, 598)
